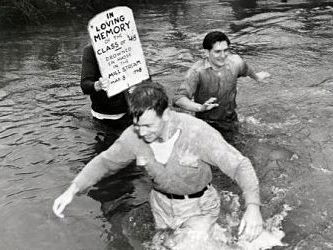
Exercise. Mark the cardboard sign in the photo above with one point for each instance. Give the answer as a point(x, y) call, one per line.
point(118, 50)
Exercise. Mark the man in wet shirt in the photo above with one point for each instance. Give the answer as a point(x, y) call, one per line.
point(175, 151)
point(210, 86)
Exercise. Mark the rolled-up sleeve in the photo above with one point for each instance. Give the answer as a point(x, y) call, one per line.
point(219, 153)
point(118, 156)
point(189, 86)
point(243, 68)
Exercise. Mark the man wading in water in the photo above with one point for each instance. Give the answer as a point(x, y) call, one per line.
point(210, 86)
point(177, 150)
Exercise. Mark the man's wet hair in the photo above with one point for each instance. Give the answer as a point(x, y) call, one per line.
point(148, 95)
point(212, 37)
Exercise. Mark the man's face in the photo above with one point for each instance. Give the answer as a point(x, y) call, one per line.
point(149, 126)
point(218, 54)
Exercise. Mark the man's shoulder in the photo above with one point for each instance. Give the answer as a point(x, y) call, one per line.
point(191, 122)
point(198, 65)
point(88, 49)
point(235, 59)
point(88, 46)
point(196, 130)
point(236, 63)
point(129, 135)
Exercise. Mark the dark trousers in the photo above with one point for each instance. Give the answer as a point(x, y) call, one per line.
point(229, 130)
point(109, 130)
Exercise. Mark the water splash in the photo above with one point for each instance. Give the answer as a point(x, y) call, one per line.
point(271, 235)
point(224, 234)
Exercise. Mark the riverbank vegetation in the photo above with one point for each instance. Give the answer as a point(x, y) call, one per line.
point(21, 12)
point(18, 12)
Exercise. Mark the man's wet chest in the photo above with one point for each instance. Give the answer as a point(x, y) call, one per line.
point(217, 82)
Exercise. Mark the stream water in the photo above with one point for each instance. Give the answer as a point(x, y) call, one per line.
point(47, 133)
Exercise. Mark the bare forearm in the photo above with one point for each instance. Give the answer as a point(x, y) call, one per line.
point(188, 104)
point(257, 76)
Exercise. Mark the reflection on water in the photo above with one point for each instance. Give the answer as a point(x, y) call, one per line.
point(47, 134)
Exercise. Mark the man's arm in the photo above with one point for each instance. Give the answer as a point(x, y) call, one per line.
point(183, 97)
point(118, 156)
point(245, 70)
point(251, 224)
point(259, 76)
point(218, 152)
point(189, 105)
point(64, 199)
point(90, 73)
point(91, 80)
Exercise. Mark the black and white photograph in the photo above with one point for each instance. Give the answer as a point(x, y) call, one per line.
point(166, 124)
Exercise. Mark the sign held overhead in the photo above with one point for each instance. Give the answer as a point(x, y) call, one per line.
point(118, 50)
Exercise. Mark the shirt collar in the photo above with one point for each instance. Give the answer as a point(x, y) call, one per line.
point(206, 64)
point(171, 128)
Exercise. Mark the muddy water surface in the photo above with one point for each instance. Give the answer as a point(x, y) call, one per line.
point(47, 134)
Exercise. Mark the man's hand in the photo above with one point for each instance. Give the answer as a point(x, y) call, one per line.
point(262, 76)
point(209, 104)
point(251, 224)
point(63, 200)
point(102, 84)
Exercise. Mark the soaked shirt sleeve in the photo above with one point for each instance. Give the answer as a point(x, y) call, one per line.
point(218, 152)
point(189, 86)
point(118, 156)
point(243, 68)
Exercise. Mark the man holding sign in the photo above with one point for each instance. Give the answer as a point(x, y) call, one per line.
point(109, 110)
point(118, 49)
point(113, 63)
